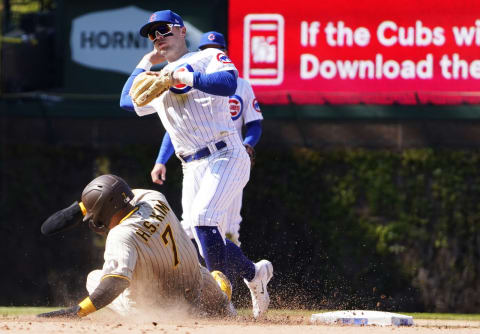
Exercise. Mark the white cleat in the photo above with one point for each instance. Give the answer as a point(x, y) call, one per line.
point(258, 287)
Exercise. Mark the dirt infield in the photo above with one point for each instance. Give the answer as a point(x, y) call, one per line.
point(99, 323)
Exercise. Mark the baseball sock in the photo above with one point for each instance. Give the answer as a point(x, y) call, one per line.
point(238, 264)
point(212, 248)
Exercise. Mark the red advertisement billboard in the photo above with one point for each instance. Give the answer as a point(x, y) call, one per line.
point(343, 51)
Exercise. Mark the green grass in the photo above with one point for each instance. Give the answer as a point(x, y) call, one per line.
point(444, 316)
point(24, 310)
point(6, 311)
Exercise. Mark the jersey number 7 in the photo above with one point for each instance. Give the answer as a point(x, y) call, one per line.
point(168, 232)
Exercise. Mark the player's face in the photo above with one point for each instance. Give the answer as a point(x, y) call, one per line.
point(167, 39)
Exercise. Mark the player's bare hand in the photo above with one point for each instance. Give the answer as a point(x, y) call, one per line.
point(155, 57)
point(251, 153)
point(159, 173)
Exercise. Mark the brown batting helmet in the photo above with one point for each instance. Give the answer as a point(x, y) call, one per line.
point(102, 198)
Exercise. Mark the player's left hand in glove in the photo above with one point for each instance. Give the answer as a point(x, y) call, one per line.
point(63, 220)
point(251, 154)
point(69, 313)
point(149, 85)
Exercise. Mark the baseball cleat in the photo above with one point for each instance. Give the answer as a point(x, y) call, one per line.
point(258, 287)
point(223, 282)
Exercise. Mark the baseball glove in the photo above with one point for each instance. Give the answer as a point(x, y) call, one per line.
point(147, 86)
point(251, 154)
point(63, 220)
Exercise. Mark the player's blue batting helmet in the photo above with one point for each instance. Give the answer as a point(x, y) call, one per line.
point(212, 39)
point(165, 16)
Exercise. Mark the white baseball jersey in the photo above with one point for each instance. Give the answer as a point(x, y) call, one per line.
point(243, 105)
point(196, 120)
point(192, 118)
point(244, 108)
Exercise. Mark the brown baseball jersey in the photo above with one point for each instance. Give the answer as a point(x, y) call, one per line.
point(150, 249)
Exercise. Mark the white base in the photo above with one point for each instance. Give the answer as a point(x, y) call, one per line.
point(359, 317)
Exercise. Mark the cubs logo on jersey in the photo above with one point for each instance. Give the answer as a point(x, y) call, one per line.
point(256, 106)
point(182, 88)
point(223, 58)
point(235, 104)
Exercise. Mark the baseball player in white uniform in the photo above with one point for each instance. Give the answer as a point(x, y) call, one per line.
point(245, 111)
point(149, 260)
point(194, 112)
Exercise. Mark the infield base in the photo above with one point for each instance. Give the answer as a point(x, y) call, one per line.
point(359, 317)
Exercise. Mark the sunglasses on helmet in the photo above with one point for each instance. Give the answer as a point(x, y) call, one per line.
point(162, 29)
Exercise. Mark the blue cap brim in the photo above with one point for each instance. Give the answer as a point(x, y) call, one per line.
point(211, 43)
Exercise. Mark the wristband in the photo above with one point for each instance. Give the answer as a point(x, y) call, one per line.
point(86, 307)
point(184, 77)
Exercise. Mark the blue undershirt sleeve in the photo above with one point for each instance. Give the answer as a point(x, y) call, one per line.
point(125, 99)
point(223, 83)
point(166, 150)
point(253, 133)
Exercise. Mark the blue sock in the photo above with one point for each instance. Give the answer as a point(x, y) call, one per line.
point(213, 248)
point(238, 264)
